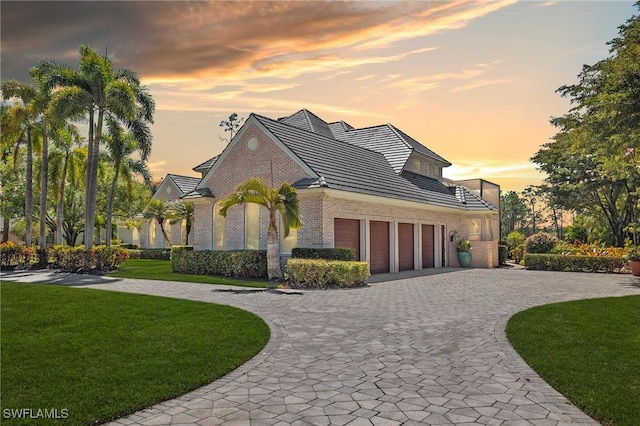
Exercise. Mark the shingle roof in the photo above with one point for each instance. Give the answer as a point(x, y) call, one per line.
point(204, 167)
point(382, 139)
point(351, 167)
point(305, 119)
point(417, 146)
point(185, 184)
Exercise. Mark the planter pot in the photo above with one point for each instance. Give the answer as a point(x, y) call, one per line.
point(465, 258)
point(635, 267)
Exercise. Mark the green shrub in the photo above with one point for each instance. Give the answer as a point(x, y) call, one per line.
point(515, 239)
point(324, 253)
point(571, 263)
point(16, 255)
point(234, 263)
point(153, 254)
point(502, 254)
point(320, 273)
point(540, 243)
point(98, 259)
point(130, 246)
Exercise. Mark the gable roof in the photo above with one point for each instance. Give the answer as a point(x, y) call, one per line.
point(350, 167)
point(305, 119)
point(185, 184)
point(204, 167)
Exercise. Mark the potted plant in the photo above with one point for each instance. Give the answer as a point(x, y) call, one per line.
point(632, 248)
point(463, 247)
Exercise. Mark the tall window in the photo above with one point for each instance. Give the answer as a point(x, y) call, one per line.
point(219, 229)
point(475, 229)
point(289, 243)
point(252, 226)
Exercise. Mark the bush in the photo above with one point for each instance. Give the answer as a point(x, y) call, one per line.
point(16, 255)
point(515, 239)
point(502, 254)
point(571, 263)
point(234, 263)
point(324, 253)
point(320, 273)
point(98, 259)
point(591, 249)
point(153, 254)
point(540, 243)
point(130, 246)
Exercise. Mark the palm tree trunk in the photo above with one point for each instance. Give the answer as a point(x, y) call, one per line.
point(274, 272)
point(28, 199)
point(88, 231)
point(60, 205)
point(44, 170)
point(164, 233)
point(112, 194)
point(5, 228)
point(93, 184)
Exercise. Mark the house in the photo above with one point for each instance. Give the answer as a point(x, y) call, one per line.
point(148, 233)
point(375, 189)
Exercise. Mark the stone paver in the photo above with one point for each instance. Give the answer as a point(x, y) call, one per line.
point(422, 350)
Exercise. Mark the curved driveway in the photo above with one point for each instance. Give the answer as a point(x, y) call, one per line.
point(424, 350)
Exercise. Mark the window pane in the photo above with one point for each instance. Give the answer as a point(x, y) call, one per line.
point(252, 226)
point(474, 229)
point(219, 230)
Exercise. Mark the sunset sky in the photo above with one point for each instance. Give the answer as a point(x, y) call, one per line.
point(474, 81)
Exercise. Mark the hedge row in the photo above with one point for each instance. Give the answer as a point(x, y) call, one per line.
point(234, 263)
point(319, 273)
point(155, 254)
point(16, 256)
point(324, 253)
point(555, 262)
point(98, 259)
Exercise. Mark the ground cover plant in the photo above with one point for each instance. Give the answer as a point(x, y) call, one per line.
point(587, 350)
point(100, 355)
point(161, 270)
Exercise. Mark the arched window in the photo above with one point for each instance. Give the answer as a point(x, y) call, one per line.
point(219, 229)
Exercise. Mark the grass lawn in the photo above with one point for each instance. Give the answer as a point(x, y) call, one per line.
point(161, 270)
point(589, 351)
point(100, 355)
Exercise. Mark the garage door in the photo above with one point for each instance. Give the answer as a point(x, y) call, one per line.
point(346, 234)
point(405, 246)
point(428, 246)
point(379, 237)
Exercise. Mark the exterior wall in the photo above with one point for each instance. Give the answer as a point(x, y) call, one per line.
point(484, 254)
point(203, 226)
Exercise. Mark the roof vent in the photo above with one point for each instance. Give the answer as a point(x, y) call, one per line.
point(323, 182)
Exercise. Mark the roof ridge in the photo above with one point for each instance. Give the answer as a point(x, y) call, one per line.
point(184, 176)
point(395, 130)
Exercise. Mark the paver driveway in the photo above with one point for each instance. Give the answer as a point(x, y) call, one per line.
point(424, 350)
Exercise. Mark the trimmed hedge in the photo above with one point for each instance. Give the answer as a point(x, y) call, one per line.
point(555, 262)
point(153, 254)
point(234, 263)
point(320, 273)
point(16, 255)
point(97, 260)
point(348, 254)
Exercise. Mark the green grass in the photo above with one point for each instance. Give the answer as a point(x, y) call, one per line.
point(161, 270)
point(589, 351)
point(101, 355)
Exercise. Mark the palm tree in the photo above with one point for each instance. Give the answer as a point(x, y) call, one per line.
point(283, 200)
point(65, 162)
point(120, 146)
point(19, 129)
point(183, 210)
point(97, 90)
point(158, 210)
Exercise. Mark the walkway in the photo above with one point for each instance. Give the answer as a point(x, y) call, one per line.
point(421, 350)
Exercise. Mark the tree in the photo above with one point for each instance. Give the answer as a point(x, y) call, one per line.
point(120, 146)
point(158, 210)
point(231, 125)
point(97, 91)
point(587, 163)
point(513, 213)
point(66, 160)
point(283, 200)
point(183, 210)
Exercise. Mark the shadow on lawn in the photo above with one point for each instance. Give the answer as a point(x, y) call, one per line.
point(51, 276)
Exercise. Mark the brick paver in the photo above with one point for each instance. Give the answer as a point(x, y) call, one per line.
point(422, 350)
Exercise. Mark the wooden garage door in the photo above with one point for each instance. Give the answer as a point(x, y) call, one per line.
point(379, 237)
point(405, 246)
point(346, 234)
point(428, 246)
